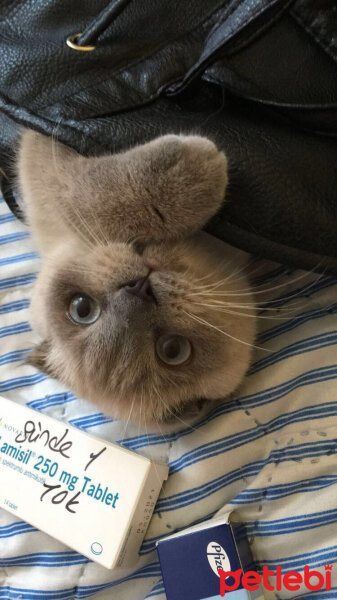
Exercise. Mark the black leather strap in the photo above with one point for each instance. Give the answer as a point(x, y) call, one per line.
point(104, 19)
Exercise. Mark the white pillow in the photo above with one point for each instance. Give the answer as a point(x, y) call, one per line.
point(269, 454)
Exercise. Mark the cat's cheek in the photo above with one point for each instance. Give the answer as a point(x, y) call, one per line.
point(38, 310)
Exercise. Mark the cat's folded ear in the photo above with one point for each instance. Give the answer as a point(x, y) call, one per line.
point(38, 358)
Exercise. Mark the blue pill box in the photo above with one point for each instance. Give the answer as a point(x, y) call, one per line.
point(190, 561)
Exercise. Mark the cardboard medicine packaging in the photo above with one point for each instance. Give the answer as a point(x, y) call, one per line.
point(190, 560)
point(92, 495)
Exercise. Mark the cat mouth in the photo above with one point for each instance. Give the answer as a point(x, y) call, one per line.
point(186, 412)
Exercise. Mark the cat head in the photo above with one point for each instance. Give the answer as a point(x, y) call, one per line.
point(138, 311)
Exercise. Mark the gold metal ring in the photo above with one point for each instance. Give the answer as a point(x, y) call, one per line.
point(72, 43)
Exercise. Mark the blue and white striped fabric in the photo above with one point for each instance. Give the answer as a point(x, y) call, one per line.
point(270, 454)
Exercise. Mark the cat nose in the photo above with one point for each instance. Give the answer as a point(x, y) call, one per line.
point(141, 288)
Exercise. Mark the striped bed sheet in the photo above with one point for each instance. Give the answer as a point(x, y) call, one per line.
point(269, 454)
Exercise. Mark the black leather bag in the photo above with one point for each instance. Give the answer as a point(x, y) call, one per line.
point(259, 77)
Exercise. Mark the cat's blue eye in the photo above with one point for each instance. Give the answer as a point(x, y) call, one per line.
point(173, 349)
point(83, 310)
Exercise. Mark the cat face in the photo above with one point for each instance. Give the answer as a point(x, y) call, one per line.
point(146, 329)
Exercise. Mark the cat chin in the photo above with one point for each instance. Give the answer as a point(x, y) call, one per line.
point(185, 416)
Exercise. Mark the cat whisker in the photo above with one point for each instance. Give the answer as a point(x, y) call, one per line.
point(266, 302)
point(256, 286)
point(272, 289)
point(264, 290)
point(146, 430)
point(154, 412)
point(86, 226)
point(176, 416)
point(93, 240)
point(206, 323)
point(243, 269)
point(148, 439)
point(128, 420)
point(240, 314)
point(155, 416)
point(234, 274)
point(172, 382)
point(245, 305)
point(221, 265)
point(81, 235)
point(103, 240)
point(227, 263)
point(193, 296)
point(215, 285)
point(251, 272)
point(140, 411)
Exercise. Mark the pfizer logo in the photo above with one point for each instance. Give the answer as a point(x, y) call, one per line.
point(217, 558)
point(96, 548)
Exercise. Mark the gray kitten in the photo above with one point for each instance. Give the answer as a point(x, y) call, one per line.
point(138, 310)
